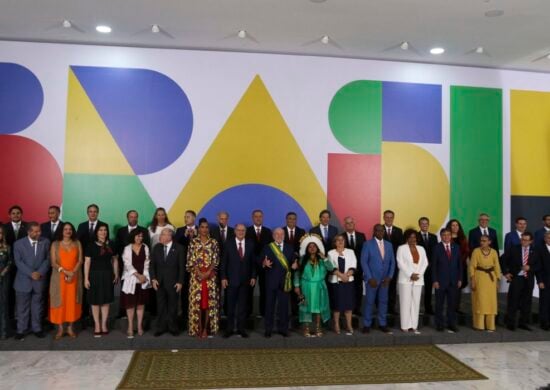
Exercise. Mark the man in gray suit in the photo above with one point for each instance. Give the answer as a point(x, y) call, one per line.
point(32, 259)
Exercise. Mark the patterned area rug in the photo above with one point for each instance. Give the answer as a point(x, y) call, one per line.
point(220, 368)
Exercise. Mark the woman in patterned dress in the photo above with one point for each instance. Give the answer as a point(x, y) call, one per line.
point(203, 258)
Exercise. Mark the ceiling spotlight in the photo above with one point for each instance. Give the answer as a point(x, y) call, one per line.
point(404, 45)
point(103, 29)
point(437, 50)
point(325, 39)
point(494, 13)
point(241, 34)
point(480, 50)
point(155, 28)
point(67, 24)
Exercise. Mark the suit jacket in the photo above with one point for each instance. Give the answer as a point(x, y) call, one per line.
point(216, 234)
point(266, 236)
point(539, 237)
point(332, 231)
point(298, 234)
point(428, 246)
point(511, 239)
point(513, 261)
point(360, 239)
point(83, 232)
point(171, 270)
point(406, 265)
point(236, 270)
point(374, 266)
point(447, 272)
point(543, 274)
point(181, 238)
point(9, 233)
point(396, 237)
point(27, 263)
point(123, 236)
point(46, 230)
point(275, 276)
point(475, 235)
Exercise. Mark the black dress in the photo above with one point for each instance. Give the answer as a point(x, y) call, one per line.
point(342, 295)
point(140, 296)
point(101, 274)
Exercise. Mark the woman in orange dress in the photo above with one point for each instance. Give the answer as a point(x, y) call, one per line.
point(66, 281)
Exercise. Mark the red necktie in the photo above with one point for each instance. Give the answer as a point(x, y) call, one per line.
point(258, 232)
point(241, 253)
point(292, 236)
point(448, 250)
point(525, 259)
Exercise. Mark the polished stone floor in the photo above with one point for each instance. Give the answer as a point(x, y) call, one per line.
point(523, 365)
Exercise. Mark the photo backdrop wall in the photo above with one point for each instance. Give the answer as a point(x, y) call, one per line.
point(203, 130)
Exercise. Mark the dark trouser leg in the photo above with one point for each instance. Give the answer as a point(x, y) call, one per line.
point(439, 306)
point(452, 294)
point(544, 306)
point(172, 308)
point(4, 318)
point(231, 293)
point(526, 301)
point(270, 297)
point(23, 306)
point(242, 298)
point(428, 290)
point(262, 293)
point(282, 310)
point(37, 303)
point(185, 298)
point(393, 292)
point(161, 309)
point(514, 294)
point(358, 281)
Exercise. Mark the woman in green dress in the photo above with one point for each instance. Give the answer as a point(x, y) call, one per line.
point(310, 286)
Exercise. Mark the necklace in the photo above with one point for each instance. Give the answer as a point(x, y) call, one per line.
point(486, 253)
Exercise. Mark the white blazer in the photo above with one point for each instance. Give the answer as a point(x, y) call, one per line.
point(350, 263)
point(129, 280)
point(407, 266)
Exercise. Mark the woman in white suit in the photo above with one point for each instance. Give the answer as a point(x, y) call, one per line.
point(412, 262)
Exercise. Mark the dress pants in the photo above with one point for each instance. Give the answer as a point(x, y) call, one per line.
point(409, 304)
point(4, 294)
point(167, 308)
point(428, 290)
point(237, 301)
point(484, 321)
point(358, 281)
point(449, 294)
point(520, 296)
point(261, 287)
point(380, 294)
point(392, 293)
point(30, 304)
point(544, 306)
point(281, 298)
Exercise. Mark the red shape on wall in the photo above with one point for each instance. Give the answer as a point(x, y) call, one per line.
point(354, 188)
point(30, 178)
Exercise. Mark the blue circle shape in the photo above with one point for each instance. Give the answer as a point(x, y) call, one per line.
point(21, 98)
point(239, 201)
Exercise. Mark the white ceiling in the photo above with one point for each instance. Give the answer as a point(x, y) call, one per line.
point(358, 28)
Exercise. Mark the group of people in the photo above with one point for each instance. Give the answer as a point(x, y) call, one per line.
point(200, 271)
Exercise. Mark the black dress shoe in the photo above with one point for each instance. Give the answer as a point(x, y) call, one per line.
point(267, 334)
point(19, 336)
point(243, 334)
point(439, 328)
point(453, 329)
point(525, 327)
point(385, 329)
point(284, 334)
point(40, 334)
point(366, 329)
point(159, 333)
point(227, 334)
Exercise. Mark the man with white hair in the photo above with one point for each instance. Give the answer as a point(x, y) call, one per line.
point(277, 260)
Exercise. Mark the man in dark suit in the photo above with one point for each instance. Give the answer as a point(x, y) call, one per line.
point(447, 279)
point(222, 232)
point(123, 233)
point(187, 232)
point(394, 235)
point(539, 234)
point(86, 233)
point(513, 238)
point(325, 230)
point(167, 270)
point(428, 241)
point(278, 260)
point(354, 240)
point(293, 235)
point(32, 258)
point(261, 236)
point(483, 229)
point(521, 263)
point(543, 279)
point(51, 228)
point(238, 275)
point(13, 231)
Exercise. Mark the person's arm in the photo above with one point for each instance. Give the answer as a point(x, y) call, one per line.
point(87, 261)
point(20, 263)
point(46, 262)
point(391, 272)
point(127, 260)
point(352, 263)
point(114, 263)
point(296, 280)
point(365, 262)
point(403, 263)
point(496, 264)
point(181, 266)
point(223, 265)
point(423, 260)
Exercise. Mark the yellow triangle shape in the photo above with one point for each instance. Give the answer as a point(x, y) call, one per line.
point(255, 146)
point(89, 146)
